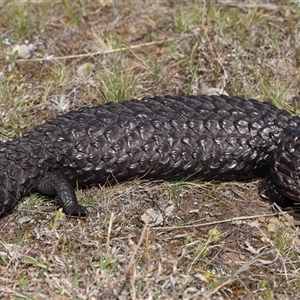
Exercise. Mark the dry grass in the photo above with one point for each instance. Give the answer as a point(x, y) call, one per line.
point(202, 240)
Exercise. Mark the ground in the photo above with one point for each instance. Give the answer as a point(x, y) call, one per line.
point(147, 240)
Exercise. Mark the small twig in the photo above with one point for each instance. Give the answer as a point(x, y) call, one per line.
point(132, 260)
point(218, 222)
point(254, 5)
point(133, 255)
point(236, 274)
point(7, 290)
point(94, 53)
point(109, 232)
point(295, 222)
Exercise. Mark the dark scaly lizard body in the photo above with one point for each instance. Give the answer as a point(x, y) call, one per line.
point(171, 137)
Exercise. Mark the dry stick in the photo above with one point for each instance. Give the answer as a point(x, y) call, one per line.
point(287, 217)
point(142, 237)
point(219, 222)
point(132, 259)
point(7, 290)
point(200, 253)
point(95, 53)
point(254, 4)
point(237, 273)
point(109, 233)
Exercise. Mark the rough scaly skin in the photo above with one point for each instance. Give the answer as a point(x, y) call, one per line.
point(171, 137)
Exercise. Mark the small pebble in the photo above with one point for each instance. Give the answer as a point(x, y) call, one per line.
point(23, 51)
